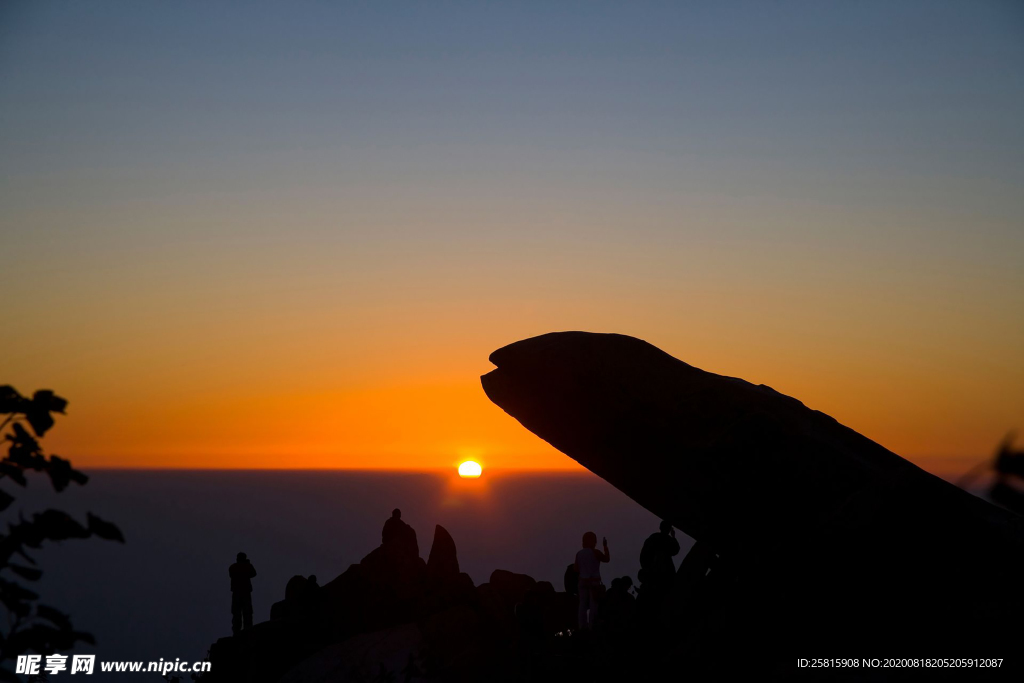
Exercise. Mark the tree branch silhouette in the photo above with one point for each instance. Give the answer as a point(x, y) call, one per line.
point(31, 625)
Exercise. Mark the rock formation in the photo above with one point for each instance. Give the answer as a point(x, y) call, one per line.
point(393, 616)
point(443, 561)
point(824, 537)
point(812, 542)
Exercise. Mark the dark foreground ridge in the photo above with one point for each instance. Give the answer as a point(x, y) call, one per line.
point(812, 542)
point(395, 617)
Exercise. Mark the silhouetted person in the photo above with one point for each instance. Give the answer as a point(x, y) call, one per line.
point(588, 566)
point(1008, 461)
point(619, 605)
point(241, 593)
point(399, 535)
point(657, 553)
point(392, 531)
point(313, 607)
point(656, 557)
point(657, 570)
point(1009, 468)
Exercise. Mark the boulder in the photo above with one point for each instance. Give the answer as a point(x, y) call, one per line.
point(443, 562)
point(511, 587)
point(383, 589)
point(827, 535)
point(297, 589)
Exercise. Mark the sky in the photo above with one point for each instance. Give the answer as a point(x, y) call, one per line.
point(272, 234)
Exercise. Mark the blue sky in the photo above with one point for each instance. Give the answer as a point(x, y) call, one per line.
point(835, 184)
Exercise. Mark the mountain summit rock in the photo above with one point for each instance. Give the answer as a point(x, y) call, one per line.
point(820, 536)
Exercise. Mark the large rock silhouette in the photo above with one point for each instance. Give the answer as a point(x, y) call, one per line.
point(823, 532)
point(443, 561)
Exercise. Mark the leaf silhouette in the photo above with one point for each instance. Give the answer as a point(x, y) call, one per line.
point(39, 419)
point(15, 597)
point(54, 616)
point(104, 529)
point(10, 400)
point(14, 472)
point(37, 411)
point(60, 473)
point(24, 450)
point(84, 637)
point(49, 400)
point(28, 573)
point(58, 526)
point(33, 627)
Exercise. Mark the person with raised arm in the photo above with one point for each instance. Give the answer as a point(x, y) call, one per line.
point(588, 567)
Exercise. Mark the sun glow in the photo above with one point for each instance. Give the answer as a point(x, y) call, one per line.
point(470, 470)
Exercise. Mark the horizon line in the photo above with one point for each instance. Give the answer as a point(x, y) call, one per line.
point(445, 469)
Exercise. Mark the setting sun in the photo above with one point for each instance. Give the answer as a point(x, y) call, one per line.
point(470, 470)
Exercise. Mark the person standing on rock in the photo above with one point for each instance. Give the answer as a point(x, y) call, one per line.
point(588, 567)
point(657, 553)
point(397, 534)
point(657, 571)
point(241, 593)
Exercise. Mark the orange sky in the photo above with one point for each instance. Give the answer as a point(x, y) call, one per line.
point(410, 397)
point(310, 353)
point(292, 238)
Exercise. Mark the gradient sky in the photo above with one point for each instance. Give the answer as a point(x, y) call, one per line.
point(289, 234)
